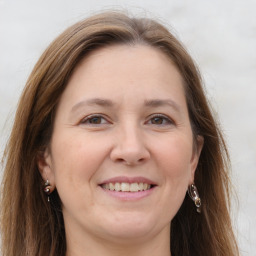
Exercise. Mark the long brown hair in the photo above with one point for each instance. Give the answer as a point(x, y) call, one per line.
point(29, 224)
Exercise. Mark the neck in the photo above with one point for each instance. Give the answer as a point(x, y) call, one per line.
point(158, 245)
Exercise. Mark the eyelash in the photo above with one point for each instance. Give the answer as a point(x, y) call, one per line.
point(164, 118)
point(87, 120)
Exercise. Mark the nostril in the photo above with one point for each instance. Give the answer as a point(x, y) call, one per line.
point(129, 155)
point(130, 162)
point(134, 162)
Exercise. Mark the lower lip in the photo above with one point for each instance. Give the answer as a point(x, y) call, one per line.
point(129, 196)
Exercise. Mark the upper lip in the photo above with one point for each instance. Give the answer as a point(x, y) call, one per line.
point(122, 179)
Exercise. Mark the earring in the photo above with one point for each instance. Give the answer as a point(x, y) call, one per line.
point(47, 189)
point(193, 193)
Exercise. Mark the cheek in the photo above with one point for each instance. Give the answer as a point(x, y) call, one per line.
point(76, 159)
point(175, 157)
point(174, 161)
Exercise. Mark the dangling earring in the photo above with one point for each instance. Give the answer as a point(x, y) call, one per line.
point(47, 189)
point(193, 193)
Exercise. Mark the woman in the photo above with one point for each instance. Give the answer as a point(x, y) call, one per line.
point(112, 130)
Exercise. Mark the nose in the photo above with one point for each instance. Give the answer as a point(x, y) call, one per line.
point(130, 147)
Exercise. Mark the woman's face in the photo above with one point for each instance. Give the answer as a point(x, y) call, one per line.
point(121, 155)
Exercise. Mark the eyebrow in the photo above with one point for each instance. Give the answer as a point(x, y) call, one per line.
point(91, 102)
point(108, 103)
point(160, 102)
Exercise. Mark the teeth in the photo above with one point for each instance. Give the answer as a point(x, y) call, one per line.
point(126, 187)
point(134, 187)
point(117, 187)
point(111, 186)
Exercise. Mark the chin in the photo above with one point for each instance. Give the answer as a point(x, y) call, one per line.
point(128, 227)
point(129, 235)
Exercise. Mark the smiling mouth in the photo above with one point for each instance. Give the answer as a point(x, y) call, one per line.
point(126, 187)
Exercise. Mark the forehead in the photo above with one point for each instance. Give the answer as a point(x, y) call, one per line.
point(123, 79)
point(124, 73)
point(137, 62)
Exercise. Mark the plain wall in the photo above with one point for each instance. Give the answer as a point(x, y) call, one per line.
point(221, 37)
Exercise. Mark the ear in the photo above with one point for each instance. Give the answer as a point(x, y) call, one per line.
point(199, 143)
point(45, 166)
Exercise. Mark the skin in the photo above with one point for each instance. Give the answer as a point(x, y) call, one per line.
point(139, 128)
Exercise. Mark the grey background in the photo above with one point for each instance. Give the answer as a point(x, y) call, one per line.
point(221, 37)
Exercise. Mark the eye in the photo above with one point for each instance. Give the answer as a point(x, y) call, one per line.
point(160, 119)
point(94, 120)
